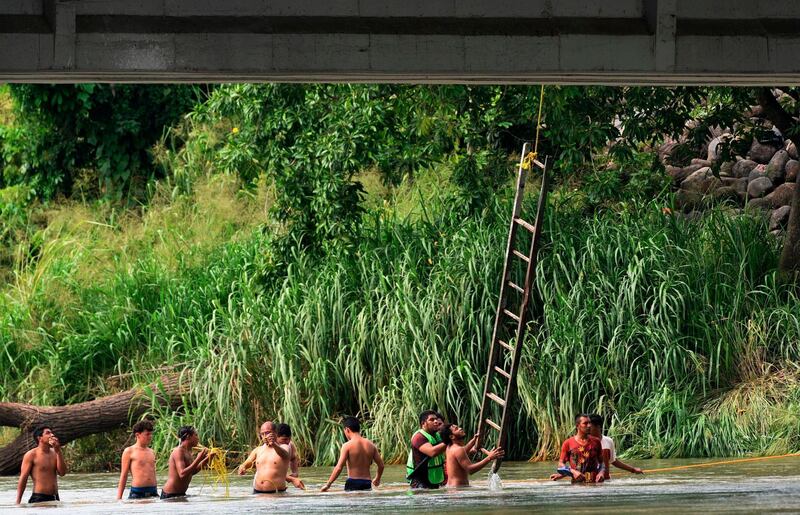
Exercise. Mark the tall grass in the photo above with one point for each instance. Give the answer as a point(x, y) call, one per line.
point(677, 331)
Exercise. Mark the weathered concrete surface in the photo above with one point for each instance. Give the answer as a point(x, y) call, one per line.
point(519, 41)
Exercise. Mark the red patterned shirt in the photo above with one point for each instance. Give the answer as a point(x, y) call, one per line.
point(584, 457)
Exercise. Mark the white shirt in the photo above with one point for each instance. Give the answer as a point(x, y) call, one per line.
point(608, 443)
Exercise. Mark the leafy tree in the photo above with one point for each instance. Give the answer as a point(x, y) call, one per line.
point(105, 129)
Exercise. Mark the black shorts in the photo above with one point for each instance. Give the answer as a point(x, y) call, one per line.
point(143, 492)
point(353, 485)
point(42, 498)
point(165, 495)
point(268, 491)
point(423, 484)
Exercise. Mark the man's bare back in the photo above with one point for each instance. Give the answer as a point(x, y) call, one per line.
point(358, 454)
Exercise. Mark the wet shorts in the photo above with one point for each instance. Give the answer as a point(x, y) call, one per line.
point(42, 498)
point(165, 495)
point(143, 492)
point(268, 491)
point(352, 485)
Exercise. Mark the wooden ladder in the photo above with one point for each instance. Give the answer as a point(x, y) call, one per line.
point(512, 312)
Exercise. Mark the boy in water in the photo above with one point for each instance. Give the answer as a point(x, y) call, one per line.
point(271, 461)
point(44, 463)
point(182, 467)
point(608, 449)
point(359, 454)
point(140, 461)
point(284, 437)
point(581, 454)
point(459, 466)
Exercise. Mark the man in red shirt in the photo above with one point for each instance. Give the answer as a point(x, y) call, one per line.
point(581, 454)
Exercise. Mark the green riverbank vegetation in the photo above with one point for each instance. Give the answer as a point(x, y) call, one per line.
point(302, 253)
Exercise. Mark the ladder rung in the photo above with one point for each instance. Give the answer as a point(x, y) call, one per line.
point(502, 372)
point(516, 287)
point(504, 344)
point(492, 424)
point(525, 224)
point(522, 256)
point(512, 315)
point(496, 399)
point(538, 163)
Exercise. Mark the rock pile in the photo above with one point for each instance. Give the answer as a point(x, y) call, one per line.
point(765, 178)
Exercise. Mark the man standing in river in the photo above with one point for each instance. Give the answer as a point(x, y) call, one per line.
point(459, 466)
point(581, 454)
point(271, 460)
point(44, 463)
point(609, 449)
point(425, 465)
point(358, 454)
point(140, 461)
point(181, 465)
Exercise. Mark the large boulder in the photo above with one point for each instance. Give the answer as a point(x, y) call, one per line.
point(713, 149)
point(726, 194)
point(679, 174)
point(758, 187)
point(782, 196)
point(791, 149)
point(779, 218)
point(702, 181)
point(743, 168)
point(726, 169)
point(792, 168)
point(758, 171)
point(687, 200)
point(759, 203)
point(761, 153)
point(776, 169)
point(701, 162)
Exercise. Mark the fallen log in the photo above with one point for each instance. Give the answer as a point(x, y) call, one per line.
point(84, 419)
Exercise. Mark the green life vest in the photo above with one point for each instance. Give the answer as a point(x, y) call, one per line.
point(435, 464)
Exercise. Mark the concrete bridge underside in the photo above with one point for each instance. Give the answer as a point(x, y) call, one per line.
point(421, 41)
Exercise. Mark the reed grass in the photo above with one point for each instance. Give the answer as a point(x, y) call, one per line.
point(679, 332)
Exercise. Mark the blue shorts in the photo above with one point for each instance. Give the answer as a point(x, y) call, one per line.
point(143, 492)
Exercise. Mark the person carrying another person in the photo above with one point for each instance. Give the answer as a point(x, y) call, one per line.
point(271, 460)
point(140, 461)
point(358, 454)
point(182, 467)
point(608, 449)
point(44, 463)
point(459, 466)
point(425, 465)
point(581, 454)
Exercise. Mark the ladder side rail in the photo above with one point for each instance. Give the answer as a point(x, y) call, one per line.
point(524, 315)
point(501, 302)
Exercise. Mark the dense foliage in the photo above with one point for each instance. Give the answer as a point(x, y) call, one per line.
point(321, 250)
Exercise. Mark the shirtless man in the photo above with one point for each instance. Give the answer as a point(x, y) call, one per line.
point(458, 465)
point(181, 465)
point(140, 461)
point(284, 437)
point(359, 454)
point(42, 463)
point(271, 460)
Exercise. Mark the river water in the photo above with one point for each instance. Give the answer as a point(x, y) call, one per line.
point(744, 488)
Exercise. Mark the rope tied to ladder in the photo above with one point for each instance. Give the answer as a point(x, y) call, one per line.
point(527, 164)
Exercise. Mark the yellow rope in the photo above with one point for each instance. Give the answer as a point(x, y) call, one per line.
point(531, 157)
point(715, 463)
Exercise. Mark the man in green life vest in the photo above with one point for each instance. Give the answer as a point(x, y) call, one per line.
point(425, 466)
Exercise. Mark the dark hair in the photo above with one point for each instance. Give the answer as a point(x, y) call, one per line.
point(425, 414)
point(38, 432)
point(142, 426)
point(446, 432)
point(185, 432)
point(580, 416)
point(352, 424)
point(441, 417)
point(596, 420)
point(283, 430)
